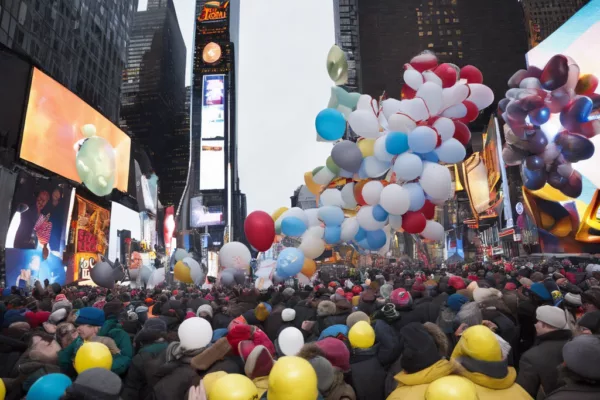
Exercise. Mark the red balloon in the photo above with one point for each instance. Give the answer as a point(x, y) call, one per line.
point(260, 230)
point(358, 187)
point(472, 112)
point(428, 210)
point(447, 74)
point(408, 92)
point(424, 61)
point(471, 74)
point(413, 222)
point(462, 133)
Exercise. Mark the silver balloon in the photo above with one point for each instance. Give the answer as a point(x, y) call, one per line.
point(347, 156)
point(103, 275)
point(337, 65)
point(146, 272)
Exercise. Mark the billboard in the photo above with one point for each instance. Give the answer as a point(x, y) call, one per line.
point(212, 142)
point(213, 17)
point(52, 130)
point(24, 267)
point(92, 224)
point(122, 218)
point(201, 215)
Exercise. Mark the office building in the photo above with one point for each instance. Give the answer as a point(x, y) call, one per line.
point(543, 17)
point(82, 44)
point(346, 37)
point(153, 93)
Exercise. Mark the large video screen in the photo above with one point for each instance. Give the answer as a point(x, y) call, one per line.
point(202, 215)
point(212, 146)
point(91, 237)
point(122, 218)
point(25, 267)
point(52, 131)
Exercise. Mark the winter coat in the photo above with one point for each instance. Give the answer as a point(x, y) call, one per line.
point(10, 351)
point(339, 389)
point(29, 371)
point(507, 329)
point(175, 375)
point(414, 386)
point(194, 304)
point(221, 320)
point(304, 312)
point(367, 374)
point(144, 366)
point(272, 325)
point(389, 343)
point(575, 391)
point(114, 330)
point(538, 373)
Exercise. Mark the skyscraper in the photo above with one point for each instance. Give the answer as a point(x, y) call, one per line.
point(153, 91)
point(347, 38)
point(81, 43)
point(543, 17)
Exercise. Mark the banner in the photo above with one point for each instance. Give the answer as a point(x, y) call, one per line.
point(91, 236)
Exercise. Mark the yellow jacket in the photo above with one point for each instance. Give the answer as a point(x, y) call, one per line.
point(413, 386)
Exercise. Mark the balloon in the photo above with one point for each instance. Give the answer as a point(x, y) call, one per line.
point(275, 216)
point(157, 277)
point(342, 100)
point(234, 255)
point(424, 61)
point(379, 213)
point(481, 95)
point(361, 335)
point(462, 133)
point(512, 155)
point(371, 192)
point(447, 74)
point(309, 267)
point(289, 262)
point(364, 123)
point(376, 239)
point(347, 155)
point(396, 143)
point(180, 254)
point(48, 387)
point(367, 147)
point(182, 272)
point(102, 275)
point(413, 222)
point(194, 333)
point(92, 355)
point(451, 388)
point(330, 124)
point(471, 74)
point(415, 108)
point(296, 212)
point(451, 151)
point(394, 199)
point(586, 85)
point(533, 179)
point(416, 196)
point(233, 387)
point(444, 127)
point(375, 168)
point(331, 215)
point(574, 185)
point(431, 93)
point(322, 175)
point(434, 231)
point(537, 142)
point(290, 341)
point(401, 123)
point(239, 276)
point(413, 78)
point(96, 165)
point(357, 191)
point(472, 112)
point(331, 197)
point(312, 246)
point(348, 196)
point(428, 209)
point(332, 234)
point(436, 181)
point(539, 116)
point(396, 222)
point(534, 163)
point(575, 147)
point(454, 95)
point(337, 65)
point(556, 180)
point(379, 149)
point(227, 278)
point(422, 139)
point(293, 226)
point(360, 235)
point(292, 378)
point(259, 228)
point(556, 73)
point(408, 166)
point(349, 230)
point(367, 221)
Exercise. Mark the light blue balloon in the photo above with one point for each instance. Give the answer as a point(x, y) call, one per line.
point(360, 235)
point(416, 195)
point(376, 239)
point(451, 151)
point(379, 213)
point(289, 262)
point(330, 124)
point(293, 226)
point(49, 387)
point(332, 234)
point(331, 215)
point(364, 244)
point(396, 143)
point(422, 141)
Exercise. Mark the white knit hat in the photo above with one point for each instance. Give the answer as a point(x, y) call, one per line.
point(552, 316)
point(483, 294)
point(287, 315)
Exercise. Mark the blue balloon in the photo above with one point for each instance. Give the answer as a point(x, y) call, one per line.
point(365, 244)
point(49, 387)
point(431, 156)
point(331, 215)
point(293, 226)
point(416, 195)
point(360, 235)
point(540, 116)
point(422, 141)
point(332, 234)
point(379, 214)
point(396, 143)
point(376, 239)
point(289, 262)
point(330, 124)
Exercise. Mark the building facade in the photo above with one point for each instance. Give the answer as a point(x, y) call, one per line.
point(81, 43)
point(347, 38)
point(543, 17)
point(153, 93)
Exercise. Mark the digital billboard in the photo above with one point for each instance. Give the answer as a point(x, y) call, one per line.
point(212, 142)
point(53, 130)
point(202, 215)
point(92, 234)
point(213, 17)
point(122, 218)
point(25, 267)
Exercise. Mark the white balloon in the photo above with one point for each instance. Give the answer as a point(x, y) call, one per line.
point(365, 102)
point(451, 151)
point(290, 341)
point(394, 199)
point(413, 78)
point(430, 76)
point(408, 166)
point(386, 247)
point(415, 109)
point(315, 231)
point(366, 221)
point(235, 255)
point(445, 128)
point(401, 123)
point(436, 181)
point(157, 277)
point(311, 246)
point(348, 196)
point(379, 149)
point(434, 231)
point(396, 222)
point(296, 212)
point(303, 280)
point(196, 271)
point(180, 254)
point(371, 192)
point(331, 197)
point(194, 333)
point(416, 196)
point(455, 111)
point(313, 216)
point(375, 168)
point(349, 229)
point(431, 93)
point(364, 123)
point(481, 95)
point(324, 176)
point(390, 107)
point(454, 95)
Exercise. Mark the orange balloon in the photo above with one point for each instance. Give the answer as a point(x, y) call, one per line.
point(358, 187)
point(313, 187)
point(309, 267)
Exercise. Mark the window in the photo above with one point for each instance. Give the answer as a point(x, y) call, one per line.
point(447, 20)
point(459, 43)
point(22, 13)
point(429, 33)
point(421, 34)
point(450, 43)
point(458, 31)
point(430, 45)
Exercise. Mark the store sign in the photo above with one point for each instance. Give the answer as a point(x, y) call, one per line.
point(496, 251)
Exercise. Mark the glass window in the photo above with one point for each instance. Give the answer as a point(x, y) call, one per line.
point(22, 13)
point(420, 33)
point(458, 31)
point(430, 45)
point(429, 33)
point(450, 43)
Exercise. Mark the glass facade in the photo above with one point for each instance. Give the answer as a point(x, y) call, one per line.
point(543, 17)
point(80, 43)
point(346, 37)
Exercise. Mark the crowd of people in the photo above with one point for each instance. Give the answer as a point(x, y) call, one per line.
point(479, 331)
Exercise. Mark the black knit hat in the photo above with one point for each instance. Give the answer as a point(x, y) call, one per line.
point(591, 321)
point(96, 384)
point(112, 308)
point(419, 348)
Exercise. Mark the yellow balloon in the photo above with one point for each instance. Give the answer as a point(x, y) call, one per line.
point(337, 65)
point(292, 378)
point(2, 390)
point(451, 387)
point(362, 335)
point(366, 147)
point(233, 387)
point(277, 213)
point(182, 272)
point(92, 355)
point(311, 185)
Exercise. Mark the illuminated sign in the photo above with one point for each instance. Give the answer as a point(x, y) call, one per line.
point(213, 18)
point(212, 143)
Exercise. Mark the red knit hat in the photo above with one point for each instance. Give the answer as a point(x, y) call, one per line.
point(401, 297)
point(457, 282)
point(336, 352)
point(510, 286)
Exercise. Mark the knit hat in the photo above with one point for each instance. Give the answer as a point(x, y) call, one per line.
point(537, 277)
point(288, 292)
point(325, 372)
point(205, 308)
point(132, 316)
point(288, 315)
point(456, 301)
point(355, 317)
point(591, 321)
point(469, 314)
point(573, 300)
point(62, 303)
point(400, 297)
point(56, 287)
point(419, 348)
point(190, 314)
point(335, 331)
point(112, 308)
point(540, 291)
point(456, 282)
point(36, 319)
point(155, 325)
point(258, 362)
point(326, 308)
point(58, 316)
point(582, 356)
point(262, 311)
point(90, 316)
point(592, 296)
point(60, 297)
point(336, 352)
point(510, 286)
point(552, 316)
point(96, 383)
point(149, 301)
point(482, 294)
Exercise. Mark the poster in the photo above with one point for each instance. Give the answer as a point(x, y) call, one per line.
point(91, 236)
point(25, 266)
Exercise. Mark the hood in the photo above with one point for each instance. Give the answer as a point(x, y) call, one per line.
point(494, 375)
point(438, 370)
point(109, 325)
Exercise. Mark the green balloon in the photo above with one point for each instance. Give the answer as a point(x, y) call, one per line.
point(332, 166)
point(96, 165)
point(337, 65)
point(340, 97)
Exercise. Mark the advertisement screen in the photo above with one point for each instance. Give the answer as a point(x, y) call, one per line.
point(205, 215)
point(24, 267)
point(212, 146)
point(122, 218)
point(91, 236)
point(213, 17)
point(40, 213)
point(52, 130)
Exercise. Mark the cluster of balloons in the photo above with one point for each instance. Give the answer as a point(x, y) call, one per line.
point(235, 258)
point(105, 273)
point(186, 269)
point(549, 123)
point(96, 162)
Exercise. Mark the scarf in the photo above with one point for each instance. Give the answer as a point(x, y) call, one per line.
point(176, 352)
